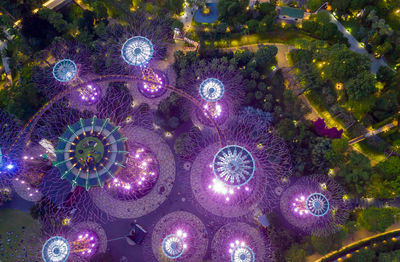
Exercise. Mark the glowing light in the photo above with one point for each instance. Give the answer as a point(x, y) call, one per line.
point(173, 246)
point(240, 252)
point(85, 245)
point(65, 70)
point(214, 109)
point(317, 204)
point(211, 90)
point(56, 249)
point(137, 51)
point(234, 165)
point(90, 94)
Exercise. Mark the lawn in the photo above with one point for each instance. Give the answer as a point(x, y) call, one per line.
point(279, 36)
point(12, 220)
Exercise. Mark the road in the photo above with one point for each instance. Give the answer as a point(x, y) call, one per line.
point(358, 48)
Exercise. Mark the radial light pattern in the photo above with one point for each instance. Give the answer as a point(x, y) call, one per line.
point(173, 246)
point(56, 249)
point(65, 70)
point(137, 51)
point(211, 90)
point(90, 152)
point(240, 252)
point(234, 165)
point(317, 204)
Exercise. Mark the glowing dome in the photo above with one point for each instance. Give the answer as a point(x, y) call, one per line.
point(56, 249)
point(90, 152)
point(317, 204)
point(173, 246)
point(137, 51)
point(234, 165)
point(65, 70)
point(211, 90)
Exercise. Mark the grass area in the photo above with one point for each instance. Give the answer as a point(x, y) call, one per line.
point(12, 220)
point(288, 36)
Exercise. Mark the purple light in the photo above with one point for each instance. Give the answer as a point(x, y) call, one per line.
point(90, 94)
point(86, 244)
point(299, 205)
point(139, 177)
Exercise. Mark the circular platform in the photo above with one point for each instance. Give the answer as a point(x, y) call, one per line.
point(137, 51)
point(90, 152)
point(65, 70)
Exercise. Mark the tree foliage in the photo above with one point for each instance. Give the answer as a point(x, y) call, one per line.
point(376, 219)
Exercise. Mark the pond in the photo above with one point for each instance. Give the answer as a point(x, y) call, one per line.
point(200, 17)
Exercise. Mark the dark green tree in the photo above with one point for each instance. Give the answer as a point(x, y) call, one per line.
point(361, 86)
point(376, 219)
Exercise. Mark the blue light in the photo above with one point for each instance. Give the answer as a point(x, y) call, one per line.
point(10, 166)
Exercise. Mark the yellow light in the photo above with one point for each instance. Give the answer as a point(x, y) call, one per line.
point(339, 86)
point(66, 221)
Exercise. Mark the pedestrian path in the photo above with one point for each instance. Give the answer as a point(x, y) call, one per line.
point(358, 48)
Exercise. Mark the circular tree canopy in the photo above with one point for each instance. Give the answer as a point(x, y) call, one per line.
point(65, 70)
point(56, 249)
point(234, 165)
point(317, 204)
point(90, 152)
point(211, 90)
point(137, 51)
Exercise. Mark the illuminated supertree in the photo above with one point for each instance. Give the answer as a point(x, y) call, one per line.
point(90, 152)
point(71, 151)
point(137, 51)
point(219, 87)
point(315, 205)
point(146, 180)
point(71, 66)
point(80, 243)
point(240, 242)
point(179, 236)
point(246, 174)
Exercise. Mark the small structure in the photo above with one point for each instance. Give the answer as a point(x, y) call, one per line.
point(290, 13)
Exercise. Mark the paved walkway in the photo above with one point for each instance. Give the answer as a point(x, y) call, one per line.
point(187, 17)
point(358, 48)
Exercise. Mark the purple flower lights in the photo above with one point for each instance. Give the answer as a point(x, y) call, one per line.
point(179, 236)
point(140, 176)
point(154, 84)
point(315, 205)
point(85, 244)
point(300, 206)
point(90, 94)
point(240, 242)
